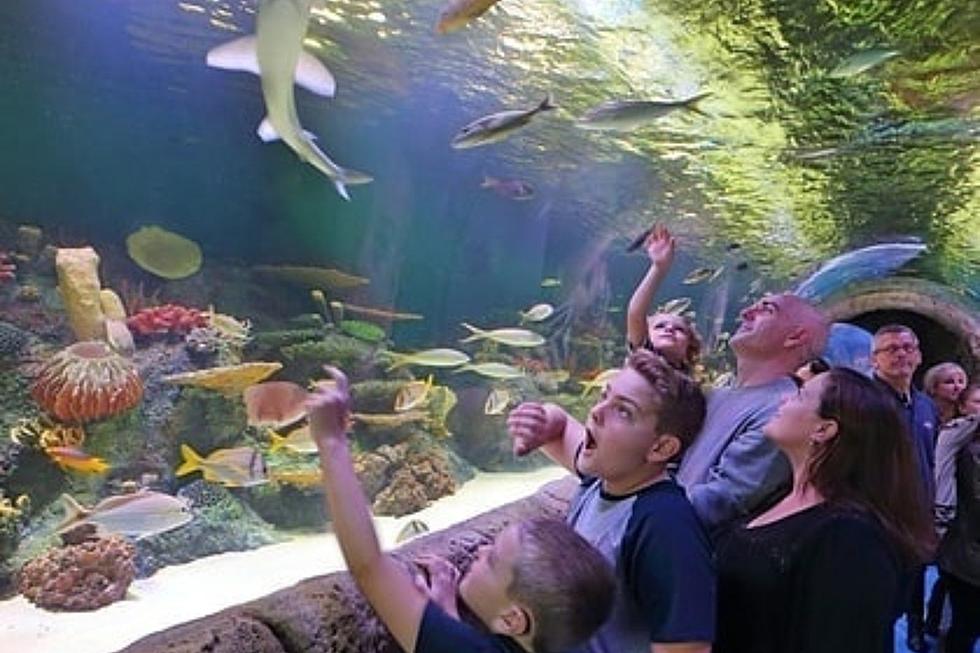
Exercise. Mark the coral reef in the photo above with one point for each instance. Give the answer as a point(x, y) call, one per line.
point(306, 359)
point(229, 380)
point(7, 267)
point(83, 576)
point(135, 297)
point(328, 613)
point(205, 420)
point(163, 252)
point(221, 523)
point(78, 281)
point(416, 476)
point(86, 382)
point(290, 505)
point(170, 321)
point(207, 347)
point(28, 293)
point(12, 340)
point(12, 515)
point(40, 433)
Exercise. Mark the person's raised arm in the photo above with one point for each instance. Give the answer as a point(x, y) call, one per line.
point(387, 585)
point(660, 249)
point(548, 427)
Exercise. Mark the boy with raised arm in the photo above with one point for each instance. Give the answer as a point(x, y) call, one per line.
point(629, 506)
point(539, 587)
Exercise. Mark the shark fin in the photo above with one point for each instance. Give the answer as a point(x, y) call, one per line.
point(341, 188)
point(312, 75)
point(239, 54)
point(266, 131)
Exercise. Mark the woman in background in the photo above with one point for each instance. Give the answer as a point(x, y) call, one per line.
point(957, 515)
point(944, 383)
point(822, 571)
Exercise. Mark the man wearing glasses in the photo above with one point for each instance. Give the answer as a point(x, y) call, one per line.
point(895, 357)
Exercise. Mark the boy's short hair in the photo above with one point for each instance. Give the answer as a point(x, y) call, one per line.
point(681, 405)
point(563, 581)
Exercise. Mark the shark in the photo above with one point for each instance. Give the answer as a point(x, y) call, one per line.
point(275, 53)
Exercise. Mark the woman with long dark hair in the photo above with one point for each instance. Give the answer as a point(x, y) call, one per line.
point(823, 569)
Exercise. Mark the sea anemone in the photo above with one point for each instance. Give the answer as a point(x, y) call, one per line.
point(86, 382)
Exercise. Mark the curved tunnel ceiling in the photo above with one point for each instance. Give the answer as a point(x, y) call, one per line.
point(795, 158)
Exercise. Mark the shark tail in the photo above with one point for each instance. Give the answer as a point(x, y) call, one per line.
point(548, 103)
point(341, 188)
point(192, 461)
point(476, 334)
point(691, 103)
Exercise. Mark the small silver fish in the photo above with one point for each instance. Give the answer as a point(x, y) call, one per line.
point(497, 126)
point(676, 306)
point(863, 61)
point(702, 274)
point(413, 528)
point(497, 401)
point(136, 515)
point(512, 189)
point(501, 371)
point(510, 337)
point(537, 313)
point(627, 115)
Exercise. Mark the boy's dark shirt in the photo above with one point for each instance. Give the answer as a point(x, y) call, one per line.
point(663, 564)
point(440, 633)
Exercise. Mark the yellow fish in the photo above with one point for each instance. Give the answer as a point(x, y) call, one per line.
point(552, 376)
point(413, 394)
point(511, 337)
point(390, 420)
point(598, 380)
point(77, 460)
point(428, 358)
point(299, 440)
point(298, 477)
point(238, 467)
point(493, 370)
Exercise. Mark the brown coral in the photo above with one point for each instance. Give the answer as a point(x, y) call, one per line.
point(419, 478)
point(86, 382)
point(83, 576)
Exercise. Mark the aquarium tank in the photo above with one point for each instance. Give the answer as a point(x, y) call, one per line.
point(204, 202)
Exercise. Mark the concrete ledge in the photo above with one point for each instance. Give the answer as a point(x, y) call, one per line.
point(327, 614)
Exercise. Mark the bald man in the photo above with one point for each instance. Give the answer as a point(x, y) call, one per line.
point(732, 470)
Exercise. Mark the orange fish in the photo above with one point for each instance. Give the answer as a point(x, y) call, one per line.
point(77, 460)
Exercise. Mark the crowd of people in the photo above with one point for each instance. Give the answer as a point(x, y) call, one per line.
point(794, 511)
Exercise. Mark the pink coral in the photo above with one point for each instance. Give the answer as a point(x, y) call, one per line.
point(82, 576)
point(7, 268)
point(165, 321)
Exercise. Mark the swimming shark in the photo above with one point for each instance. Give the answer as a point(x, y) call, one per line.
point(275, 53)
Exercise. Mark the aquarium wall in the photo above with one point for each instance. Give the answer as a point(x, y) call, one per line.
point(204, 203)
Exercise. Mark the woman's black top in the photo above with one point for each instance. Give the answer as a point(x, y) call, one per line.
point(825, 579)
